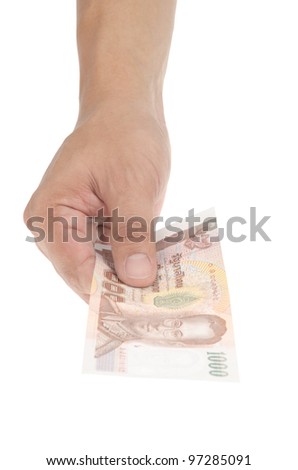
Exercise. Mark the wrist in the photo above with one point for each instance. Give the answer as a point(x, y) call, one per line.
point(127, 66)
point(109, 81)
point(120, 102)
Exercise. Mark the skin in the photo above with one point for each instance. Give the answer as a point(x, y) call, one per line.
point(118, 155)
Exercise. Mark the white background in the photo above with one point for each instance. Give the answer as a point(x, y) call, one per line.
point(231, 103)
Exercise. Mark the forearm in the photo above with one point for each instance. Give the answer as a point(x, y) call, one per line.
point(123, 48)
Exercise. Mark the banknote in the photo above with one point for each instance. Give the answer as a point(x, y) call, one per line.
point(181, 326)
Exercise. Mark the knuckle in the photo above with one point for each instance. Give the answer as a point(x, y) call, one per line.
point(35, 208)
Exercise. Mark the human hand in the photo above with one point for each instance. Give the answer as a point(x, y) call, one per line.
point(117, 158)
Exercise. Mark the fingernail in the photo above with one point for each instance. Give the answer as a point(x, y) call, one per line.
point(138, 266)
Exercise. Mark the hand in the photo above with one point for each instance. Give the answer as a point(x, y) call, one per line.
point(117, 158)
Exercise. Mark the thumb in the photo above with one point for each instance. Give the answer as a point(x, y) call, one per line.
point(132, 241)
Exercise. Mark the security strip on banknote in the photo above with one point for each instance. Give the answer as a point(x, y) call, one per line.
point(181, 326)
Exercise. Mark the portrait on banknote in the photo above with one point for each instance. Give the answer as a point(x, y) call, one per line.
point(119, 323)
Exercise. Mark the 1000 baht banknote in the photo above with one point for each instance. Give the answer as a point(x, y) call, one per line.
point(181, 326)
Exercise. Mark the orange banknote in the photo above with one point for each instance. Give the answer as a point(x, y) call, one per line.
point(181, 326)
